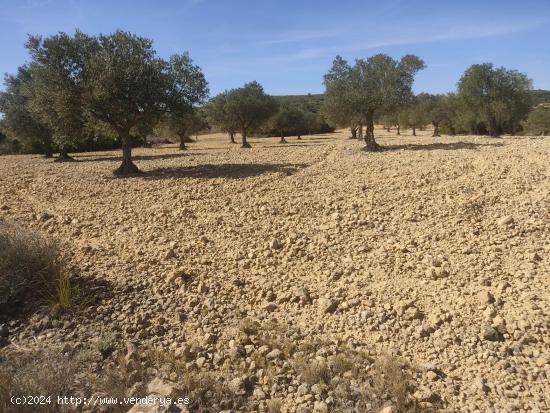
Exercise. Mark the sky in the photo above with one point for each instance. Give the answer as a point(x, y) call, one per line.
point(287, 46)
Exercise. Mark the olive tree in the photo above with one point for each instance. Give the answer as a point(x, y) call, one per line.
point(497, 100)
point(55, 92)
point(373, 86)
point(126, 84)
point(538, 121)
point(339, 106)
point(217, 114)
point(433, 108)
point(288, 119)
point(249, 107)
point(18, 121)
point(189, 89)
point(182, 126)
point(412, 117)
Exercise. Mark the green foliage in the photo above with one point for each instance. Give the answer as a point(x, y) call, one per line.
point(217, 114)
point(338, 105)
point(377, 85)
point(249, 107)
point(413, 117)
point(494, 100)
point(538, 121)
point(182, 125)
point(116, 79)
point(19, 122)
point(289, 120)
point(55, 93)
point(188, 88)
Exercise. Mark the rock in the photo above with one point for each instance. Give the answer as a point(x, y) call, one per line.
point(320, 407)
point(270, 307)
point(388, 409)
point(274, 354)
point(275, 244)
point(480, 384)
point(161, 387)
point(508, 219)
point(258, 394)
point(490, 333)
point(485, 297)
point(4, 331)
point(238, 386)
point(327, 305)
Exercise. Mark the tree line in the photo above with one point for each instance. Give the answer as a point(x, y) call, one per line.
point(488, 101)
point(81, 92)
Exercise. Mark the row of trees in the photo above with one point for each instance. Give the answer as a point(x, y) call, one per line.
point(114, 87)
point(80, 88)
point(488, 100)
point(249, 109)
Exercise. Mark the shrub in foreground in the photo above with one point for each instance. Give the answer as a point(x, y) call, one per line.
point(32, 271)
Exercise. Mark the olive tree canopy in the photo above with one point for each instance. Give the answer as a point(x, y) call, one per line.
point(117, 79)
point(373, 86)
point(249, 107)
point(18, 121)
point(497, 99)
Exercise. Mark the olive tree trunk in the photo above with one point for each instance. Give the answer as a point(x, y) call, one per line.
point(64, 156)
point(414, 131)
point(398, 130)
point(232, 137)
point(371, 145)
point(436, 130)
point(127, 167)
point(282, 140)
point(182, 143)
point(353, 130)
point(245, 142)
point(299, 137)
point(360, 134)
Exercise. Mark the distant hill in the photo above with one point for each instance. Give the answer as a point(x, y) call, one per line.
point(310, 101)
point(540, 96)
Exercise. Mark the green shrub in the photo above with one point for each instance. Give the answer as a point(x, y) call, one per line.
point(32, 270)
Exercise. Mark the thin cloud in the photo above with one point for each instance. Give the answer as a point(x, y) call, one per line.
point(300, 36)
point(453, 34)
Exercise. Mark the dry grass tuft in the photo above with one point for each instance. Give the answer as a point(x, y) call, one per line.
point(32, 270)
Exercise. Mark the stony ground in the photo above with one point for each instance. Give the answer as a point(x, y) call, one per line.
point(436, 252)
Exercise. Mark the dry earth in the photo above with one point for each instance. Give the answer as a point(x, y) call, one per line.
point(436, 251)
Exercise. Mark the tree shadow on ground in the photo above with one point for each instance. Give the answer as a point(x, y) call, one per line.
point(233, 171)
point(294, 145)
point(91, 158)
point(440, 146)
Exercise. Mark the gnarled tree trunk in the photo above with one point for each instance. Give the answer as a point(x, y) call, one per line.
point(182, 142)
point(232, 137)
point(64, 156)
point(245, 142)
point(282, 140)
point(371, 145)
point(360, 134)
point(436, 130)
point(398, 129)
point(414, 131)
point(299, 137)
point(353, 130)
point(127, 167)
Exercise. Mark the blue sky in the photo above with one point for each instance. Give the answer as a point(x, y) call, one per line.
point(288, 45)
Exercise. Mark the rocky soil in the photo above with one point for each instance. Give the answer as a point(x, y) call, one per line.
point(435, 253)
